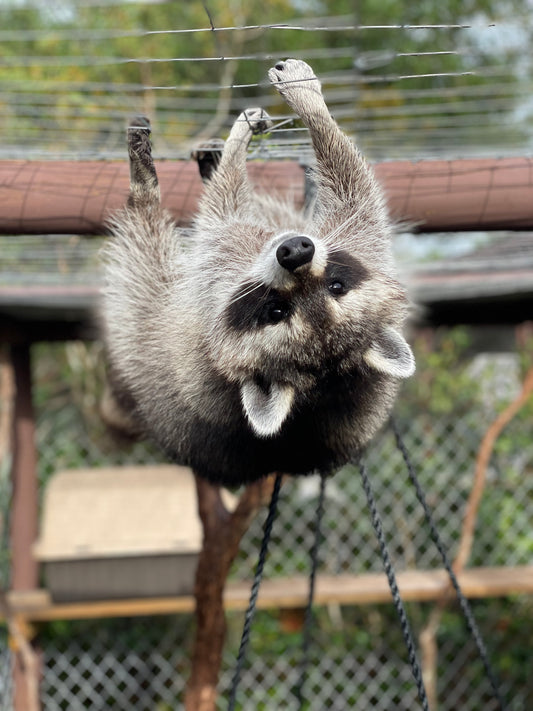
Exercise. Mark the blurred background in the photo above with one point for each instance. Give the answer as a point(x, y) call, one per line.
point(412, 80)
point(409, 81)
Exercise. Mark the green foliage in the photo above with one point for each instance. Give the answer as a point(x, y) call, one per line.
point(84, 65)
point(442, 384)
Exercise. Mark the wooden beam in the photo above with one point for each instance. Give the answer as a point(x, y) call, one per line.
point(75, 197)
point(278, 593)
point(24, 525)
point(24, 506)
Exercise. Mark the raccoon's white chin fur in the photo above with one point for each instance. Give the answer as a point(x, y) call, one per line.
point(266, 409)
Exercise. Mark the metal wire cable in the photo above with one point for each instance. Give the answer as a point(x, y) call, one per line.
point(463, 602)
point(250, 612)
point(335, 24)
point(391, 577)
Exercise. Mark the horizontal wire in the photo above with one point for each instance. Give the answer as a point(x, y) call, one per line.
point(354, 78)
point(47, 121)
point(166, 123)
point(92, 60)
point(25, 35)
point(340, 107)
point(359, 78)
point(356, 107)
point(380, 117)
point(359, 111)
point(501, 96)
point(24, 95)
point(475, 133)
point(375, 150)
point(345, 77)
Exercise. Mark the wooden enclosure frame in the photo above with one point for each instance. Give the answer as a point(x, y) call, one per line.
point(70, 197)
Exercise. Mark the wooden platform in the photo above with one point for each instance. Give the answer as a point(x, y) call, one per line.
point(415, 585)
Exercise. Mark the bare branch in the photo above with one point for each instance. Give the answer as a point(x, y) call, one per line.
point(480, 474)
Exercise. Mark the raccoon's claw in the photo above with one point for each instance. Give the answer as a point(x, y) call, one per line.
point(257, 119)
point(248, 123)
point(139, 131)
point(141, 123)
point(291, 76)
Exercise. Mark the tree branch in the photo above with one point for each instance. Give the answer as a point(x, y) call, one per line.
point(480, 474)
point(223, 532)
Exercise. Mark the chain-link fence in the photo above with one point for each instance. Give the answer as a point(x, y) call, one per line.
point(357, 661)
point(357, 657)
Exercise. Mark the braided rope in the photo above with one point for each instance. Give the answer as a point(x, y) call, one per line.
point(437, 540)
point(391, 577)
point(308, 619)
point(250, 612)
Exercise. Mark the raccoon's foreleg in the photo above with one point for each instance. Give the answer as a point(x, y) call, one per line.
point(228, 192)
point(345, 181)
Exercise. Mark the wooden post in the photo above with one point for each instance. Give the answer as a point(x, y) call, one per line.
point(24, 524)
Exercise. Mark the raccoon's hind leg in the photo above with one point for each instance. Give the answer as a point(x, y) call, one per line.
point(144, 186)
point(208, 155)
point(346, 184)
point(141, 259)
point(228, 192)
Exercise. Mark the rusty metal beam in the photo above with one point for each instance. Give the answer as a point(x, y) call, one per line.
point(60, 197)
point(480, 194)
point(40, 197)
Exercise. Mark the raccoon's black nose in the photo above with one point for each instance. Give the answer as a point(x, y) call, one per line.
point(294, 252)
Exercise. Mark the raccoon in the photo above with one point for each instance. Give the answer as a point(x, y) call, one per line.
point(270, 339)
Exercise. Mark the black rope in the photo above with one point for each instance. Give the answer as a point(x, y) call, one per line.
point(463, 602)
point(391, 577)
point(250, 612)
point(308, 618)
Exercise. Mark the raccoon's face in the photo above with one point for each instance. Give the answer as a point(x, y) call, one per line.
point(305, 310)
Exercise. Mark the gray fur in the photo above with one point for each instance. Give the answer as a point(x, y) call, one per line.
point(271, 339)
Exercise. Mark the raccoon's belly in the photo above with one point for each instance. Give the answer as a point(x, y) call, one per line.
point(238, 456)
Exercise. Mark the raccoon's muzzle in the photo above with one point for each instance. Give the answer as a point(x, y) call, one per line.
point(295, 252)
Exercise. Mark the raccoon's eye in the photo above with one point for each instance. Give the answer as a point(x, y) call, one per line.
point(337, 288)
point(277, 312)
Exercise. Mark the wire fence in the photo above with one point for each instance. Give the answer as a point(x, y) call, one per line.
point(357, 657)
point(98, 667)
point(71, 77)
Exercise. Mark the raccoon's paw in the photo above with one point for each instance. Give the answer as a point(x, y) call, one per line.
point(256, 120)
point(208, 155)
point(296, 82)
point(143, 178)
point(139, 131)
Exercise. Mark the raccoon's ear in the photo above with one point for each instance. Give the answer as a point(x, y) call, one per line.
point(389, 353)
point(266, 408)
